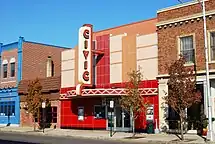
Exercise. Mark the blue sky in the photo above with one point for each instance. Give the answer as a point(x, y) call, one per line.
point(57, 21)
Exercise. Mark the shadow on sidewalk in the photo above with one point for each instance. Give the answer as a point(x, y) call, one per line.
point(135, 137)
point(41, 130)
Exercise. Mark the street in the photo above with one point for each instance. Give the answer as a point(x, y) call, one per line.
point(17, 138)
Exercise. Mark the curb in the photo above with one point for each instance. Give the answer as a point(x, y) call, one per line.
point(101, 138)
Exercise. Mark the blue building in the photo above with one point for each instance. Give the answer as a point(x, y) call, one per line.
point(11, 74)
point(23, 60)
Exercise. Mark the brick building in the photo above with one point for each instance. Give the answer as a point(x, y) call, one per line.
point(110, 54)
point(180, 31)
point(24, 60)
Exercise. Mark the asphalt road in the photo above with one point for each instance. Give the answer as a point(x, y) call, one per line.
point(19, 138)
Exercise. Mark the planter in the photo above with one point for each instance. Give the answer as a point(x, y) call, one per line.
point(204, 131)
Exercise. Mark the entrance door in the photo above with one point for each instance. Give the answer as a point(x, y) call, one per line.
point(120, 120)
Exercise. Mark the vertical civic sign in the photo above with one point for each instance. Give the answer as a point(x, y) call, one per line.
point(85, 55)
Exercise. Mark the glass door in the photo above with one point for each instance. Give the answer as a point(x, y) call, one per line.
point(127, 119)
point(120, 119)
point(110, 117)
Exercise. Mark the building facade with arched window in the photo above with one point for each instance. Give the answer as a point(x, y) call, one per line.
point(20, 62)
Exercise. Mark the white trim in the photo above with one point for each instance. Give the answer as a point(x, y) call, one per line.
point(178, 6)
point(209, 44)
point(4, 62)
point(12, 60)
point(8, 82)
point(194, 46)
point(109, 92)
point(185, 18)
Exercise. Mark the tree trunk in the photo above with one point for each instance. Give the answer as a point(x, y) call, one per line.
point(133, 123)
point(34, 123)
point(182, 131)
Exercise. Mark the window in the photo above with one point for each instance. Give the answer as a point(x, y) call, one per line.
point(212, 46)
point(80, 113)
point(99, 111)
point(50, 115)
point(12, 69)
point(187, 49)
point(50, 67)
point(7, 108)
point(4, 70)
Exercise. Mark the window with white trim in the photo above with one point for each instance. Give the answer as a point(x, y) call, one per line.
point(12, 67)
point(49, 67)
point(5, 65)
point(212, 46)
point(187, 48)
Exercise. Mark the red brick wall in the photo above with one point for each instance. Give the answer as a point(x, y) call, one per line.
point(168, 41)
point(184, 11)
point(35, 57)
point(7, 55)
point(26, 119)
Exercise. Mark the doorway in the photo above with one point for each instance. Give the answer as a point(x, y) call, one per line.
point(118, 119)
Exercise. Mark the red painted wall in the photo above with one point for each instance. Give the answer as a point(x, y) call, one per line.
point(69, 109)
point(69, 116)
point(103, 64)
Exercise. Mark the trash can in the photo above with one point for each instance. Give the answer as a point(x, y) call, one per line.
point(150, 127)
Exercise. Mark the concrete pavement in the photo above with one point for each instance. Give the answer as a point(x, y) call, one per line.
point(104, 135)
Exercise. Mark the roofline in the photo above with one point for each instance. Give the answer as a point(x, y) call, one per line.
point(47, 44)
point(9, 44)
point(179, 6)
point(126, 24)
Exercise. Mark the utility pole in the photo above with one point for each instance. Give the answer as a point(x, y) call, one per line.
point(210, 133)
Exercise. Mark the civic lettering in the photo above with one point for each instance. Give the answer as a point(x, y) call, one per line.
point(86, 34)
point(86, 76)
point(86, 53)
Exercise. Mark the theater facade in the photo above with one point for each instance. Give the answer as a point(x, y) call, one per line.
point(95, 72)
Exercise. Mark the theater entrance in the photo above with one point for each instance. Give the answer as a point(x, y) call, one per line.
point(117, 118)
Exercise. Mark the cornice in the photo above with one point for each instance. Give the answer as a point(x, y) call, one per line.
point(184, 20)
point(179, 6)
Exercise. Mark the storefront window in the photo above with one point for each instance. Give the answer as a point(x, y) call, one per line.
point(7, 108)
point(50, 114)
point(99, 111)
point(80, 113)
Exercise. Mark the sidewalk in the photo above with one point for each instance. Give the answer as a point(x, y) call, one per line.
point(105, 135)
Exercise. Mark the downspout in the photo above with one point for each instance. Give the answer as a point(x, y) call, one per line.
point(19, 75)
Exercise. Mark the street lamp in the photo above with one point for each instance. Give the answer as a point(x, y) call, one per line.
point(43, 107)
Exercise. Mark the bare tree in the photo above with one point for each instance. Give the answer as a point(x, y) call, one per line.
point(182, 90)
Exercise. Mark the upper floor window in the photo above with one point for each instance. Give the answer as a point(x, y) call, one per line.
point(212, 46)
point(187, 48)
point(12, 67)
point(50, 67)
point(5, 64)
